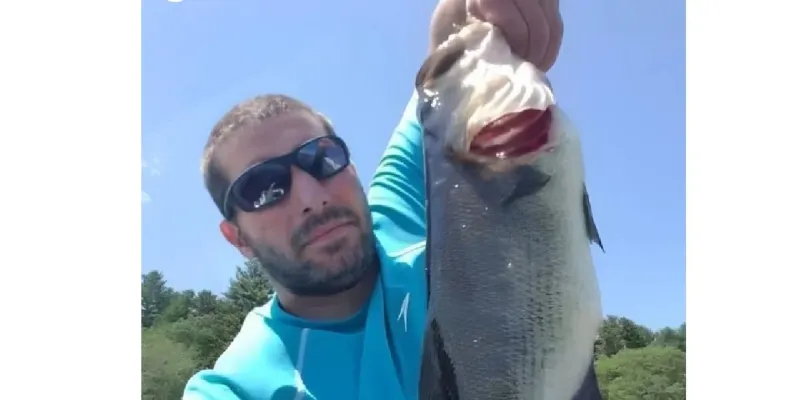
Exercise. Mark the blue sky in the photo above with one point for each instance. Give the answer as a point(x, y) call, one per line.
point(620, 77)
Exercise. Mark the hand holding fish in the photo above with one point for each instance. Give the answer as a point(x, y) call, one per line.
point(532, 28)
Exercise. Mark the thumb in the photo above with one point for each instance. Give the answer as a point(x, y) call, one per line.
point(525, 25)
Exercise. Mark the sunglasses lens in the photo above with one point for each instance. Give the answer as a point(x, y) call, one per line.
point(268, 183)
point(261, 186)
point(323, 158)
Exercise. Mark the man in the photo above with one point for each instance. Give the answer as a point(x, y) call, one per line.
point(348, 271)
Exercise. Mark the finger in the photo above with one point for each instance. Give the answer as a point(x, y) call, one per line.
point(506, 16)
point(538, 26)
point(446, 17)
point(556, 25)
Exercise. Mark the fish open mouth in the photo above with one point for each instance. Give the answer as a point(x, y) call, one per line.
point(514, 135)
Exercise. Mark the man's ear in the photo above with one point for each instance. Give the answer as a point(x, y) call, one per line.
point(233, 235)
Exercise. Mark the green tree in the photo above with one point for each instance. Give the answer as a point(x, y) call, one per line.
point(210, 333)
point(156, 295)
point(250, 288)
point(672, 337)
point(609, 339)
point(184, 332)
point(180, 306)
point(166, 366)
point(635, 336)
point(649, 373)
point(617, 333)
point(205, 303)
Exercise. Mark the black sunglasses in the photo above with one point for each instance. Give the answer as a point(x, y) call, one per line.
point(266, 183)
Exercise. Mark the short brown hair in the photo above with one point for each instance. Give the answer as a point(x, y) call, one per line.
point(254, 110)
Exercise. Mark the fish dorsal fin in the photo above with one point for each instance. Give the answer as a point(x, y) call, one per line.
point(591, 227)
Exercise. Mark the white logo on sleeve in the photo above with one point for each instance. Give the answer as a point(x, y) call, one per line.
point(404, 312)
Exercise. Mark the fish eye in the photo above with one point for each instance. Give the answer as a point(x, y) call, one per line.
point(440, 61)
point(426, 105)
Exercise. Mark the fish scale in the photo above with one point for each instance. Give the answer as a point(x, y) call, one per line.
point(514, 304)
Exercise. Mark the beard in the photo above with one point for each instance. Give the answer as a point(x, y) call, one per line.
point(346, 268)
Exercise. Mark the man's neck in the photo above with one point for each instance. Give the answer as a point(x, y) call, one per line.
point(339, 306)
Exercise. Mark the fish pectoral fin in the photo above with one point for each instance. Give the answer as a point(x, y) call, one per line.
point(591, 227)
point(525, 181)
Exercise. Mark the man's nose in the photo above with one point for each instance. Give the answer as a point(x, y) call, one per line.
point(309, 194)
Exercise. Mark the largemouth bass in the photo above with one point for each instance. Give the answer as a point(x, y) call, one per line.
point(514, 303)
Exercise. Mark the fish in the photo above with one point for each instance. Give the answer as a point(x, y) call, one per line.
point(514, 303)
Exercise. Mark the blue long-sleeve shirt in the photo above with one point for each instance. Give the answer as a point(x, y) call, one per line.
point(372, 355)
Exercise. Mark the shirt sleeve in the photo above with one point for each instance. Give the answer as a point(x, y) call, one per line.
point(397, 192)
point(209, 385)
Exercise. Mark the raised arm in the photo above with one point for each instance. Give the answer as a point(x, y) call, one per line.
point(209, 385)
point(397, 192)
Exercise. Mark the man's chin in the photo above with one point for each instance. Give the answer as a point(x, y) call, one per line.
point(329, 287)
point(331, 254)
point(332, 264)
point(335, 276)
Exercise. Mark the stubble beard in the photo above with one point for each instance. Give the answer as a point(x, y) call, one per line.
point(308, 278)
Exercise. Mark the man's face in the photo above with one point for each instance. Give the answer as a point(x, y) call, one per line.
point(315, 241)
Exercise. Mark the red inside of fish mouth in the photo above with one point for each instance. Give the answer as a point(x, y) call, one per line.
point(525, 132)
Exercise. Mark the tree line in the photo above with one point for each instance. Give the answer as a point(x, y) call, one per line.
point(186, 331)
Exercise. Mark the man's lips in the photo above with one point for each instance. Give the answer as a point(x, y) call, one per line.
point(323, 230)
